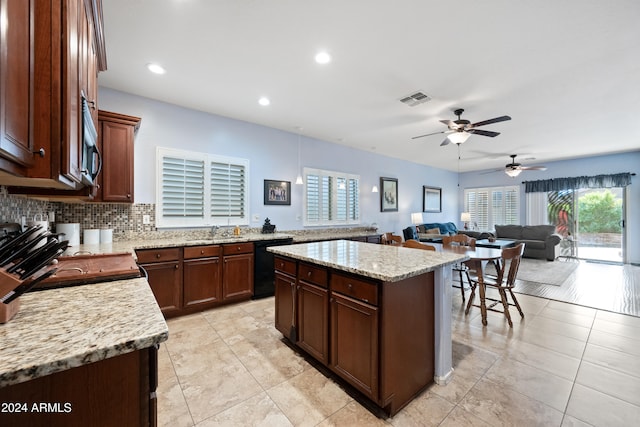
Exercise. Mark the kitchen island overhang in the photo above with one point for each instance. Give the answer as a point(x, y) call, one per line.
point(399, 297)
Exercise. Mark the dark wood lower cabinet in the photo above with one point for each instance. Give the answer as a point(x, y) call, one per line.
point(313, 324)
point(285, 309)
point(119, 391)
point(165, 279)
point(201, 281)
point(354, 343)
point(237, 276)
point(193, 278)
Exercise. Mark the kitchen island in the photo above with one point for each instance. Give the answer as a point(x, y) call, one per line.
point(82, 355)
point(377, 316)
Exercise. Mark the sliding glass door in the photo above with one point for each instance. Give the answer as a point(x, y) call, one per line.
point(591, 222)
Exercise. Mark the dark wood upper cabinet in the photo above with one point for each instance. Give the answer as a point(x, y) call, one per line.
point(51, 53)
point(16, 85)
point(116, 137)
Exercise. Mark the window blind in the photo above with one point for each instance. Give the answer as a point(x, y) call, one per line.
point(331, 198)
point(182, 187)
point(200, 189)
point(491, 206)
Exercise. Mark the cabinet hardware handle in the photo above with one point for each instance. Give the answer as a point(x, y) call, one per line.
point(350, 286)
point(176, 266)
point(308, 274)
point(157, 255)
point(201, 252)
point(40, 152)
point(128, 196)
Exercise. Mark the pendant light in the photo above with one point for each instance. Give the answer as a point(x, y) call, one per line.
point(299, 180)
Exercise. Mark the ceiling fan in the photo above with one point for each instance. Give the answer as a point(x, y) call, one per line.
point(513, 169)
point(460, 130)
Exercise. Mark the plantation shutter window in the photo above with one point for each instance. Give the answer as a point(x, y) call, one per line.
point(491, 206)
point(331, 198)
point(182, 187)
point(200, 189)
point(227, 190)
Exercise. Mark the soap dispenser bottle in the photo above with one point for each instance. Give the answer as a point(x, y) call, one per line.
point(236, 231)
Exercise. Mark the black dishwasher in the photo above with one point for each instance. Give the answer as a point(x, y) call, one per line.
point(263, 276)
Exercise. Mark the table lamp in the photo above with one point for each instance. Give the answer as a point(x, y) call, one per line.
point(465, 217)
point(416, 219)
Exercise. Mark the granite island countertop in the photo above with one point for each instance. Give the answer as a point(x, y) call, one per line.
point(59, 329)
point(383, 262)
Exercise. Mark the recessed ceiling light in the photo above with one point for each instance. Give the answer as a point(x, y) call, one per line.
point(264, 101)
point(156, 69)
point(323, 58)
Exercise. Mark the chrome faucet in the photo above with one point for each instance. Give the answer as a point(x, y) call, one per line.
point(214, 230)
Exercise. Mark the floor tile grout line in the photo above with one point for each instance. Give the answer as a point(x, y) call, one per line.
point(186, 402)
point(578, 370)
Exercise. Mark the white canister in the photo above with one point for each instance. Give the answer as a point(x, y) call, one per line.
point(71, 233)
point(91, 236)
point(106, 235)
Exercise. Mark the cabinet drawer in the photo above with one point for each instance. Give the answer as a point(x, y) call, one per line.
point(238, 248)
point(355, 288)
point(285, 265)
point(158, 255)
point(312, 274)
point(191, 252)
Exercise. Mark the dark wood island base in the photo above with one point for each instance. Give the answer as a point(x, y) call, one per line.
point(376, 335)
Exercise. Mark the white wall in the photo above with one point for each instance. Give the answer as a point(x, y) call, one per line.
point(609, 164)
point(273, 155)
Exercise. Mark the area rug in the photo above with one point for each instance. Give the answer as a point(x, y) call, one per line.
point(552, 273)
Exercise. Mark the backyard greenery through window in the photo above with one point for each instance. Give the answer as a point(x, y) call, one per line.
point(200, 189)
point(331, 198)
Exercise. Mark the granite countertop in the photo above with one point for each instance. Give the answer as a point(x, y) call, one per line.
point(130, 246)
point(384, 262)
point(59, 329)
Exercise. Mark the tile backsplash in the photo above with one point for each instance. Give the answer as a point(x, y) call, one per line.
point(124, 218)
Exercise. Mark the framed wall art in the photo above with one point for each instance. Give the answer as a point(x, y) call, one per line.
point(431, 199)
point(388, 194)
point(277, 192)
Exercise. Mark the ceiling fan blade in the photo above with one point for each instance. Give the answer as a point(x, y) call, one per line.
point(429, 134)
point(493, 171)
point(445, 142)
point(490, 121)
point(483, 132)
point(449, 123)
point(533, 168)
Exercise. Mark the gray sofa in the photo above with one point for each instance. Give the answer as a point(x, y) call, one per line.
point(540, 241)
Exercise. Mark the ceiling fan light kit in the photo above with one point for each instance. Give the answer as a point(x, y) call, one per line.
point(459, 137)
point(460, 130)
point(513, 172)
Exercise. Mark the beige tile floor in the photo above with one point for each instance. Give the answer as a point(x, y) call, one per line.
point(563, 365)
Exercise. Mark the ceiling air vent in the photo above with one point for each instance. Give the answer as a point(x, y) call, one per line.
point(415, 99)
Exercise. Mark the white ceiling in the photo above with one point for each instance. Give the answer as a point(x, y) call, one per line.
point(567, 72)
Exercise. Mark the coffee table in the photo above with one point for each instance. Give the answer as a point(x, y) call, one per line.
point(497, 244)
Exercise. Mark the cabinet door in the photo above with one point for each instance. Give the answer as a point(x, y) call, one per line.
point(72, 14)
point(237, 276)
point(16, 81)
point(165, 279)
point(285, 316)
point(201, 281)
point(313, 321)
point(117, 158)
point(354, 343)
